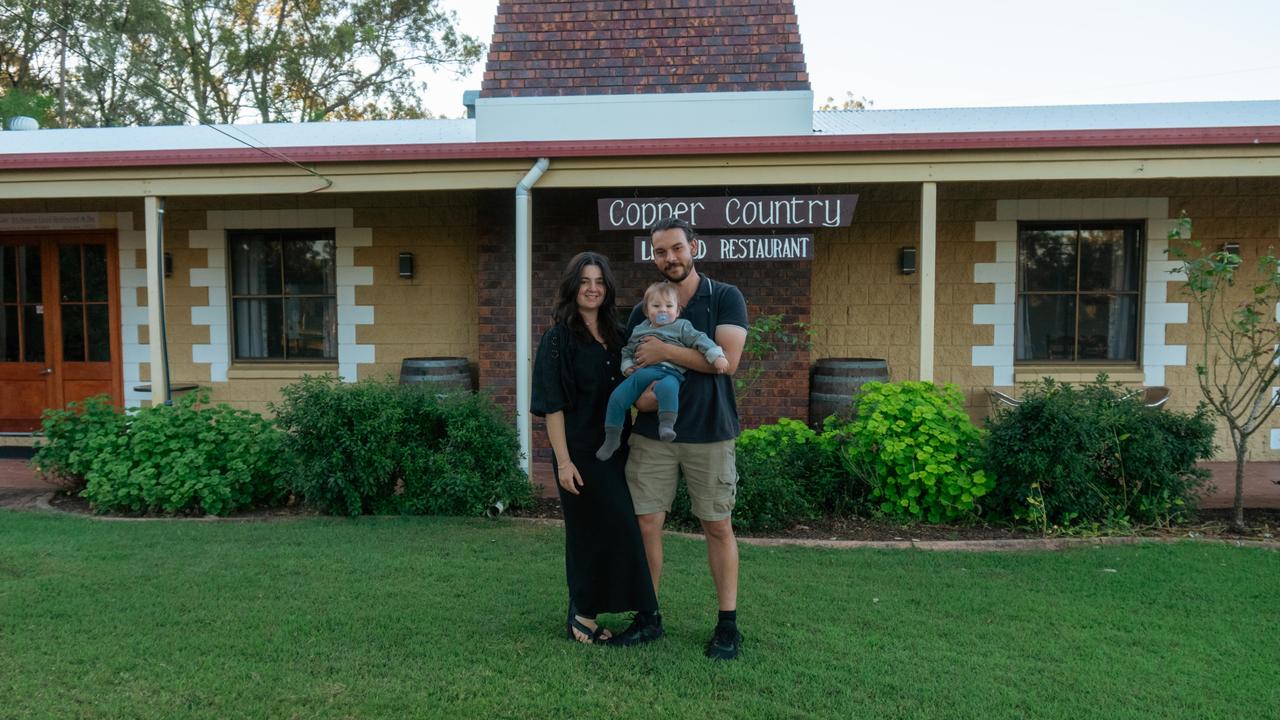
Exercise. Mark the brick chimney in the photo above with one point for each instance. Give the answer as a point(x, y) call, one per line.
point(597, 69)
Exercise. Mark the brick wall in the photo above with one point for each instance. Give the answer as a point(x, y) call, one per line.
point(626, 47)
point(496, 297)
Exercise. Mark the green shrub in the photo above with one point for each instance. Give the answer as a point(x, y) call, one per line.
point(63, 452)
point(810, 461)
point(342, 443)
point(786, 473)
point(917, 450)
point(469, 456)
point(190, 457)
point(1095, 455)
point(377, 447)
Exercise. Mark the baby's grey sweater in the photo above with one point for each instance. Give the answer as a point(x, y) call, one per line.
point(681, 332)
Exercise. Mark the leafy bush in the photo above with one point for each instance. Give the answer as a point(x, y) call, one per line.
point(64, 454)
point(917, 449)
point(376, 447)
point(470, 457)
point(188, 457)
point(786, 473)
point(1095, 455)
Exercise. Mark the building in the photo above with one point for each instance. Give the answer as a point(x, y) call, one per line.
point(1040, 232)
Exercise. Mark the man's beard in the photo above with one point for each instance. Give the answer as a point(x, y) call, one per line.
point(678, 273)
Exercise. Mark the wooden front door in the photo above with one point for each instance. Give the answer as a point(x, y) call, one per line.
point(59, 324)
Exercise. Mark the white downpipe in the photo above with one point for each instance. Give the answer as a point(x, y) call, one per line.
point(524, 308)
point(928, 275)
point(153, 218)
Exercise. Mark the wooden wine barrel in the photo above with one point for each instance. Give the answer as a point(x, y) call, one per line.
point(836, 380)
point(443, 373)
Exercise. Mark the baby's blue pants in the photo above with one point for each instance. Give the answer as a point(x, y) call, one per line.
point(624, 396)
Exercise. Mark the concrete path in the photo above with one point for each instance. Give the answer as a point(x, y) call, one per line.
point(1260, 488)
point(19, 487)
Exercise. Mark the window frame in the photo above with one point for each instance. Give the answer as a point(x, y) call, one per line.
point(1139, 226)
point(283, 234)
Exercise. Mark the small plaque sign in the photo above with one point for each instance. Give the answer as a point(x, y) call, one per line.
point(741, 248)
point(49, 221)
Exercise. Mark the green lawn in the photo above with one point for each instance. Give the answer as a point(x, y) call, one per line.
point(420, 617)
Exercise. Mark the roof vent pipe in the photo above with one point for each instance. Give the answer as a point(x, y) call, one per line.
point(22, 122)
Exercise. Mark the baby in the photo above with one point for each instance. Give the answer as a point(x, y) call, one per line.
point(662, 309)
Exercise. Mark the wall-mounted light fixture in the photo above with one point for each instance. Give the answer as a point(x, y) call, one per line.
point(406, 265)
point(168, 264)
point(907, 260)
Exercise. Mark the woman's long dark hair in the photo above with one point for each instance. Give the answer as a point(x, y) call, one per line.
point(567, 299)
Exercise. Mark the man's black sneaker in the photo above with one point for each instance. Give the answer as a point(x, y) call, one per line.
point(725, 642)
point(643, 628)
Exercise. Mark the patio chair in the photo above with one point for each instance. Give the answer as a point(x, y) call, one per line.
point(999, 398)
point(1154, 396)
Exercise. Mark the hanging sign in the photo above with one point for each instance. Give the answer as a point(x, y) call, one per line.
point(739, 248)
point(734, 212)
point(50, 221)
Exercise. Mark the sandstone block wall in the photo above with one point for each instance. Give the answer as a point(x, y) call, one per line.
point(862, 306)
point(432, 314)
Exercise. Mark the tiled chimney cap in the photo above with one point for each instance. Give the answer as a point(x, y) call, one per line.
point(626, 47)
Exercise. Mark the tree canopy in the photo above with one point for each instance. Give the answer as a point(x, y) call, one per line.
point(850, 102)
point(83, 63)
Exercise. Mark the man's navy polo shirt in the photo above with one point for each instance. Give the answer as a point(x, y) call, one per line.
point(708, 410)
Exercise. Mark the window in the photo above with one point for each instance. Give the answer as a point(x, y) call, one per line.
point(282, 295)
point(1078, 291)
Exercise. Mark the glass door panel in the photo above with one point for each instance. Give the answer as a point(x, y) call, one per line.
point(21, 319)
point(82, 285)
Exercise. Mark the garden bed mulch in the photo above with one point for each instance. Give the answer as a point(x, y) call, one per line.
point(78, 505)
point(1215, 524)
point(1260, 525)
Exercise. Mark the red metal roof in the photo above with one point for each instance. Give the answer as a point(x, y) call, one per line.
point(625, 47)
point(802, 144)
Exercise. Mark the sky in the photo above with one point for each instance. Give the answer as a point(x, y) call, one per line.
point(952, 53)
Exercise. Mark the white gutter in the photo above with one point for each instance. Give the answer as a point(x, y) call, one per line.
point(524, 305)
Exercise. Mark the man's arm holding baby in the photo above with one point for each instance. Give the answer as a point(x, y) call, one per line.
point(731, 338)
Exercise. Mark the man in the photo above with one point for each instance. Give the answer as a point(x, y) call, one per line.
point(706, 431)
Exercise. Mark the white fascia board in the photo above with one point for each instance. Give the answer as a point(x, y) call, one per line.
point(237, 137)
point(651, 115)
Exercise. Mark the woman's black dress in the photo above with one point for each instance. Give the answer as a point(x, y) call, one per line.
point(604, 557)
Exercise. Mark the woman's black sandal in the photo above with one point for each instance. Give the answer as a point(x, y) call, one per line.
point(572, 623)
point(593, 636)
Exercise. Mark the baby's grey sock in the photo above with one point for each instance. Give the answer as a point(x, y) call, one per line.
point(612, 440)
point(666, 426)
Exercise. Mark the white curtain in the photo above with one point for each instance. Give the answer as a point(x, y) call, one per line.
point(252, 324)
point(1121, 320)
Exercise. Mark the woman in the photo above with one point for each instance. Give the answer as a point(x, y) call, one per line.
point(575, 371)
